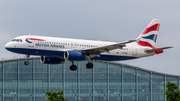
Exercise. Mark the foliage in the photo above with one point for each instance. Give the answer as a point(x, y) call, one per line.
point(172, 92)
point(56, 96)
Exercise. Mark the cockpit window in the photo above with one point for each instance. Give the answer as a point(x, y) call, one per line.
point(17, 40)
point(14, 40)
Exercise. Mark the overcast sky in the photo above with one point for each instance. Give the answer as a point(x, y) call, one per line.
point(107, 20)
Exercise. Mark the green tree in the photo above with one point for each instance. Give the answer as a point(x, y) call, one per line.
point(172, 92)
point(56, 96)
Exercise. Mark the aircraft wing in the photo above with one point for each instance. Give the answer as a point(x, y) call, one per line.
point(153, 50)
point(107, 48)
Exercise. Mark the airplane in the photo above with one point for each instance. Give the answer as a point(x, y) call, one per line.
point(53, 50)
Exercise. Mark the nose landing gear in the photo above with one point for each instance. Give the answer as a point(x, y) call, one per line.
point(27, 62)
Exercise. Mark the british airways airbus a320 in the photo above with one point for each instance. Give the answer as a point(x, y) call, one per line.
point(56, 50)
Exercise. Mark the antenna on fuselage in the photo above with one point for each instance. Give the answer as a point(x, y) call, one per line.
point(29, 35)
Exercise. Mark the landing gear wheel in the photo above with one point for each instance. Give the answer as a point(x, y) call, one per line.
point(26, 63)
point(73, 67)
point(89, 65)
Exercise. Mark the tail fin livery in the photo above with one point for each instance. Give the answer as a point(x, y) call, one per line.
point(149, 35)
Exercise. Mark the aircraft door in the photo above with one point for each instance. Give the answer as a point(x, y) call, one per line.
point(30, 42)
point(72, 45)
point(75, 45)
point(134, 50)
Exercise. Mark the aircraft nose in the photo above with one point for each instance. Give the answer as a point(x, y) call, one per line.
point(7, 45)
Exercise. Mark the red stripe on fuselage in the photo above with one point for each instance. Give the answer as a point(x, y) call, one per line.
point(35, 39)
point(152, 28)
point(147, 44)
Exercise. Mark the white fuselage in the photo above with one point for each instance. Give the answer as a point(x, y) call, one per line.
point(55, 47)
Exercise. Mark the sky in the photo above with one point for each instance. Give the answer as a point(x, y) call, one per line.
point(107, 20)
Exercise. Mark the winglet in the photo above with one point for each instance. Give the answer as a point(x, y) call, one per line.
point(130, 41)
point(124, 44)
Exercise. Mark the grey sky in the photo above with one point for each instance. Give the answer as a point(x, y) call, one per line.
point(108, 20)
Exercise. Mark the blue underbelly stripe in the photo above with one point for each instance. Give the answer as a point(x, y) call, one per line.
point(40, 52)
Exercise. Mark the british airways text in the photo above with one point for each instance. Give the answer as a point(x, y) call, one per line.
point(49, 45)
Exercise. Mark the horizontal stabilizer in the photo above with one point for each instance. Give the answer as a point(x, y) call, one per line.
point(153, 50)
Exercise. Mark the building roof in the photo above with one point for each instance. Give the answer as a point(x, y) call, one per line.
point(111, 62)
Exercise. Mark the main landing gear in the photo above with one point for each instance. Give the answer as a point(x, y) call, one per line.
point(74, 67)
point(89, 65)
point(27, 62)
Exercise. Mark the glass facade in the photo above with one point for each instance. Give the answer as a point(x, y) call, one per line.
point(105, 82)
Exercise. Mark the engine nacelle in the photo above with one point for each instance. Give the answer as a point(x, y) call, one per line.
point(75, 56)
point(51, 60)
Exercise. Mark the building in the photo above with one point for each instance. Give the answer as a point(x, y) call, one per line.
point(105, 82)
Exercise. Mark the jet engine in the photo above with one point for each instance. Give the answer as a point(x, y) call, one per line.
point(51, 60)
point(75, 56)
